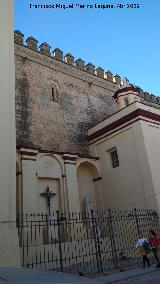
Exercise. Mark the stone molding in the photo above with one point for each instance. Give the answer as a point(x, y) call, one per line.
point(136, 115)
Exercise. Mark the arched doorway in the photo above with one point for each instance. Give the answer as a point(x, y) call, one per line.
point(89, 185)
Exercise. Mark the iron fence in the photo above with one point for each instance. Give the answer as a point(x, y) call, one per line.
point(80, 243)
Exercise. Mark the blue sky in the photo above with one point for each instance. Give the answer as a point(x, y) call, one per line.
point(125, 41)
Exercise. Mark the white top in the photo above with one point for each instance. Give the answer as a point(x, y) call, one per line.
point(140, 242)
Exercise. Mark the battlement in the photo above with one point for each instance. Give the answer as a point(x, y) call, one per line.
point(57, 54)
point(145, 97)
point(149, 99)
point(69, 59)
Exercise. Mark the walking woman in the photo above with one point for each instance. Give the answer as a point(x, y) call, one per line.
point(154, 243)
point(142, 246)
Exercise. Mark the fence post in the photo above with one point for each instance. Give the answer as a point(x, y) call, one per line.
point(27, 242)
point(59, 242)
point(137, 223)
point(98, 245)
point(23, 243)
point(95, 240)
point(113, 243)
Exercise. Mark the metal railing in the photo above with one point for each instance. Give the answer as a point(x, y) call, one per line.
point(76, 242)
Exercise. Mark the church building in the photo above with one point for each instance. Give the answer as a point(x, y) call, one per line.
point(84, 136)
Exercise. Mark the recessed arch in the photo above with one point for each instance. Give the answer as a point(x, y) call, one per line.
point(56, 166)
point(89, 187)
point(49, 175)
point(91, 165)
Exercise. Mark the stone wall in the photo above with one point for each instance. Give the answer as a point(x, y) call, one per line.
point(56, 102)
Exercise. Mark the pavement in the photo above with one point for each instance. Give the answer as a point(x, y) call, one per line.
point(149, 278)
point(12, 275)
point(133, 276)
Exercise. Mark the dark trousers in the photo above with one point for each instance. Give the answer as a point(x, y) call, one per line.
point(145, 259)
point(155, 253)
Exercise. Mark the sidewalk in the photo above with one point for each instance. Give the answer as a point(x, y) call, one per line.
point(11, 275)
point(130, 274)
point(27, 276)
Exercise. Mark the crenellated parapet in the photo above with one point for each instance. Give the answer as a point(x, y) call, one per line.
point(58, 54)
point(150, 98)
point(109, 76)
point(142, 96)
point(32, 43)
point(89, 68)
point(45, 49)
point(69, 59)
point(18, 37)
point(100, 72)
point(118, 79)
point(80, 64)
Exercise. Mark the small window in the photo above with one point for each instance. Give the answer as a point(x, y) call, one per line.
point(114, 159)
point(126, 102)
point(54, 95)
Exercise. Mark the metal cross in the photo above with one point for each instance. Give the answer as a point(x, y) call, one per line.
point(48, 194)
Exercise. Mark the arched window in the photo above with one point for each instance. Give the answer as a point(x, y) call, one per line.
point(54, 93)
point(126, 102)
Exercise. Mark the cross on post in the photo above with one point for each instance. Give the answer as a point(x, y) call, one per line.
point(48, 195)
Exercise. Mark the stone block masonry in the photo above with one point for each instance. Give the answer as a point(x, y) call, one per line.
point(57, 102)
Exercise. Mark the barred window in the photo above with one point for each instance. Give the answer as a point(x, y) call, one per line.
point(114, 159)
